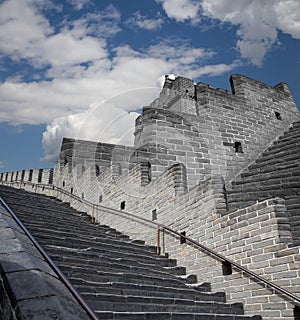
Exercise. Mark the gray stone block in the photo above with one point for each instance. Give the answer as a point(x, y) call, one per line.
point(50, 308)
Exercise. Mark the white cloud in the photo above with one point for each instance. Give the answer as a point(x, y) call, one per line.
point(79, 4)
point(2, 164)
point(101, 24)
point(26, 34)
point(258, 21)
point(212, 70)
point(22, 28)
point(142, 22)
point(182, 10)
point(288, 13)
point(179, 50)
point(82, 126)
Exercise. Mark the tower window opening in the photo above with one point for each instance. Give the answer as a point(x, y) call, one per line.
point(71, 190)
point(182, 238)
point(226, 268)
point(122, 205)
point(100, 198)
point(149, 172)
point(97, 169)
point(278, 115)
point(154, 215)
point(238, 147)
point(51, 176)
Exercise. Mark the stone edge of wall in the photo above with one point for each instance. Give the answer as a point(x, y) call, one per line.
point(29, 289)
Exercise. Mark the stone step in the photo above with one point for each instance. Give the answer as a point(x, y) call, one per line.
point(262, 172)
point(113, 253)
point(197, 288)
point(93, 240)
point(101, 302)
point(85, 228)
point(130, 278)
point(279, 154)
point(150, 291)
point(118, 267)
point(122, 265)
point(171, 316)
point(89, 254)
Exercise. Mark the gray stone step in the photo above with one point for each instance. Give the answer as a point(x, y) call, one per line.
point(171, 316)
point(151, 291)
point(152, 304)
point(96, 240)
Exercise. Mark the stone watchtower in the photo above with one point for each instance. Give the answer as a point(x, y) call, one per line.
point(212, 131)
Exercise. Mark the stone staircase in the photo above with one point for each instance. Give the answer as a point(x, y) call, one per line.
point(275, 173)
point(118, 277)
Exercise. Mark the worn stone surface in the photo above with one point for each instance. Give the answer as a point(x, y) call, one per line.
point(29, 288)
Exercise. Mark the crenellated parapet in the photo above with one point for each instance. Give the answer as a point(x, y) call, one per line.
point(44, 176)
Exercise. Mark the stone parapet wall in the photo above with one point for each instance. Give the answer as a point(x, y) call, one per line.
point(44, 176)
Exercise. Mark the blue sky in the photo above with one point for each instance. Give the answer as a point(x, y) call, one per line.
point(83, 68)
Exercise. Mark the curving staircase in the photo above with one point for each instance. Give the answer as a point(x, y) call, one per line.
point(118, 277)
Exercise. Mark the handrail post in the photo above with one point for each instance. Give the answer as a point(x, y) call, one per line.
point(158, 240)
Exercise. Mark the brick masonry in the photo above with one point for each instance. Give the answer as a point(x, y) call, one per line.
point(190, 142)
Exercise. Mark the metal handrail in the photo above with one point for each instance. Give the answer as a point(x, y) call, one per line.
point(50, 262)
point(170, 230)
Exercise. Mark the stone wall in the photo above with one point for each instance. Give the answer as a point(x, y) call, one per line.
point(44, 176)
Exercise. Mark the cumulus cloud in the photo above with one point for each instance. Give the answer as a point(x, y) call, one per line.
point(143, 22)
point(26, 34)
point(258, 21)
point(105, 122)
point(182, 10)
